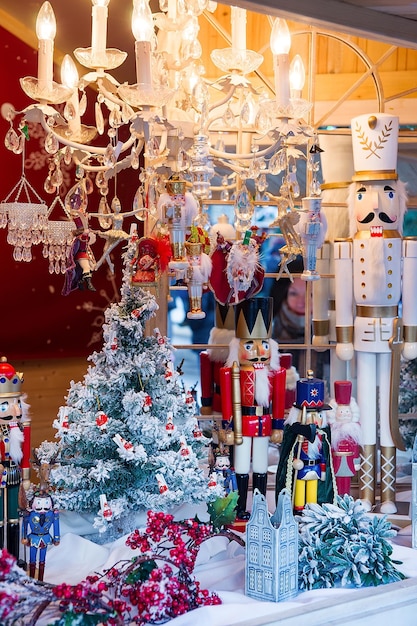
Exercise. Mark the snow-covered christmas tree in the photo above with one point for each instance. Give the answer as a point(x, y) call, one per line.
point(129, 440)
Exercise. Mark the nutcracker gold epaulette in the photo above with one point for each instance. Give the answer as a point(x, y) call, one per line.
point(10, 380)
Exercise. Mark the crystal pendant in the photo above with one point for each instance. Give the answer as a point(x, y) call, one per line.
point(99, 119)
point(104, 209)
point(134, 159)
point(48, 185)
point(51, 267)
point(57, 178)
point(76, 198)
point(69, 111)
point(101, 180)
point(109, 155)
point(11, 140)
point(67, 155)
point(89, 187)
point(228, 117)
point(82, 107)
point(243, 204)
point(51, 144)
point(138, 205)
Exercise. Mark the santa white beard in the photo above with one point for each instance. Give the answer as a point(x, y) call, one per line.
point(15, 443)
point(345, 430)
point(262, 387)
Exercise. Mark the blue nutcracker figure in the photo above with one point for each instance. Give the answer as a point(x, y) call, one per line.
point(40, 529)
point(305, 467)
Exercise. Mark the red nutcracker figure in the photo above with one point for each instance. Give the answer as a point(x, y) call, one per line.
point(345, 433)
point(375, 271)
point(252, 385)
point(14, 454)
point(38, 523)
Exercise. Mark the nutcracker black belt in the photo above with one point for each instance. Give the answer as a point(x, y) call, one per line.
point(256, 410)
point(310, 462)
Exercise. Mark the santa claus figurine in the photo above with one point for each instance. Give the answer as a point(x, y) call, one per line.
point(346, 435)
point(375, 271)
point(252, 386)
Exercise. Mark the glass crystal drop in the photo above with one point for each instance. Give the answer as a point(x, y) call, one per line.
point(104, 209)
point(69, 111)
point(57, 178)
point(99, 119)
point(67, 155)
point(17, 254)
point(27, 254)
point(20, 146)
point(126, 113)
point(45, 252)
point(228, 117)
point(57, 267)
point(134, 159)
point(82, 107)
point(11, 140)
point(48, 185)
point(101, 180)
point(138, 205)
point(115, 118)
point(109, 156)
point(51, 144)
point(76, 198)
point(51, 267)
point(89, 187)
point(224, 195)
point(261, 183)
point(245, 113)
point(243, 204)
point(274, 164)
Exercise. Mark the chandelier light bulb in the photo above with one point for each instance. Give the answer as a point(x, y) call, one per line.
point(69, 72)
point(297, 76)
point(100, 3)
point(280, 40)
point(142, 21)
point(46, 23)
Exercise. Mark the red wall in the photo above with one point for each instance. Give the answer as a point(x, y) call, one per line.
point(36, 320)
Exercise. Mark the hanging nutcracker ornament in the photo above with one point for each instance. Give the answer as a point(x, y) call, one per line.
point(198, 271)
point(312, 228)
point(177, 208)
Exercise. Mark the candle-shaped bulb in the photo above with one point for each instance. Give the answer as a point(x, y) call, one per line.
point(280, 40)
point(297, 75)
point(69, 72)
point(142, 22)
point(238, 17)
point(46, 23)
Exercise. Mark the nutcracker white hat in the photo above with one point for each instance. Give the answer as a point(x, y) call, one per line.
point(375, 146)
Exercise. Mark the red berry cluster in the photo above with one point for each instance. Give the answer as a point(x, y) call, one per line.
point(7, 562)
point(151, 588)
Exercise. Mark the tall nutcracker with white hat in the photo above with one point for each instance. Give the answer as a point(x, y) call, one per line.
point(252, 386)
point(375, 270)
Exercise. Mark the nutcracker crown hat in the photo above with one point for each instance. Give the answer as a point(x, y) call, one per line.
point(342, 391)
point(375, 146)
point(253, 318)
point(10, 380)
point(224, 317)
point(310, 394)
point(176, 186)
point(336, 161)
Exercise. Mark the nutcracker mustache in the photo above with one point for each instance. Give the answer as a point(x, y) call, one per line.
point(381, 215)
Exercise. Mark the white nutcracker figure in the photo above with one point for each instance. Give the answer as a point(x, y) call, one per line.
point(375, 273)
point(337, 171)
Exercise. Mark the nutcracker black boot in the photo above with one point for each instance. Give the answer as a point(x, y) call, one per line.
point(242, 481)
point(86, 281)
point(259, 481)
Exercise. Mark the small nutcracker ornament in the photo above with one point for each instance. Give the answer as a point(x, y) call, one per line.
point(346, 435)
point(153, 255)
point(196, 277)
point(376, 299)
point(305, 466)
point(14, 455)
point(222, 467)
point(252, 386)
point(312, 228)
point(40, 529)
point(177, 209)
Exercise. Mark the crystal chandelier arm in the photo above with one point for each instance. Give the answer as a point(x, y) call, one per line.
point(227, 156)
point(226, 98)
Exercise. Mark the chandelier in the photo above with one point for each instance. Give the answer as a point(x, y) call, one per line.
point(225, 138)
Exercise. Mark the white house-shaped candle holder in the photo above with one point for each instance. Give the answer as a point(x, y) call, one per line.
point(271, 571)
